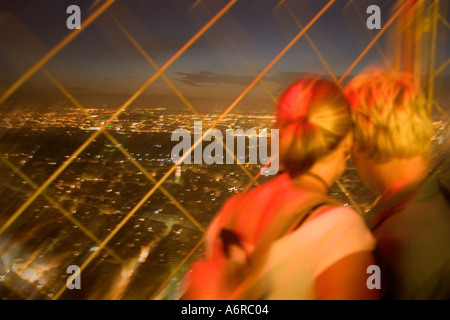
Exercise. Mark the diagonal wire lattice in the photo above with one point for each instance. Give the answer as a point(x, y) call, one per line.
point(159, 72)
point(46, 58)
point(170, 171)
point(339, 82)
point(114, 116)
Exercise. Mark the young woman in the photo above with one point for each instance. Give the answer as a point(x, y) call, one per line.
point(327, 255)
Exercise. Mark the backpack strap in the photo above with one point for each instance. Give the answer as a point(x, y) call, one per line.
point(290, 217)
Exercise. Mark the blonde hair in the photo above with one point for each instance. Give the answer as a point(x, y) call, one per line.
point(391, 116)
point(313, 118)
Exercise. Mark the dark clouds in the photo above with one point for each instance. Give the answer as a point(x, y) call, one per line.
point(213, 79)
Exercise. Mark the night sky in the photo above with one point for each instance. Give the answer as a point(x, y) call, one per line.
point(101, 65)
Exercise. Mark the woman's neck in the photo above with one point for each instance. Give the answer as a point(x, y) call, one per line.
point(310, 181)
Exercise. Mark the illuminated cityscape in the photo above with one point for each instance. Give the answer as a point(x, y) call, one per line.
point(101, 187)
point(86, 118)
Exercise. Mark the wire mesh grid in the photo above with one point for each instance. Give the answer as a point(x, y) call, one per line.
point(141, 243)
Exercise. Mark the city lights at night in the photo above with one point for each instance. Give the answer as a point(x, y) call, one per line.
point(87, 170)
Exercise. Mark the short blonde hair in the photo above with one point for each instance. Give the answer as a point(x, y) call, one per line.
point(313, 117)
point(391, 116)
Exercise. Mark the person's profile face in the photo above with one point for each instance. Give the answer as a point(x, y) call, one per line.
point(345, 153)
point(363, 167)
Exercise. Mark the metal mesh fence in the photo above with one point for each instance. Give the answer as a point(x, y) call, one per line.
point(95, 187)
